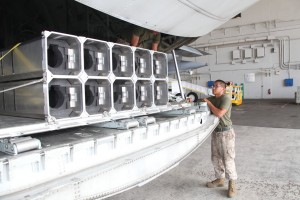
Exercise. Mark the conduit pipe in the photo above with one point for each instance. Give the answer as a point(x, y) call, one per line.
point(235, 42)
point(196, 75)
point(283, 65)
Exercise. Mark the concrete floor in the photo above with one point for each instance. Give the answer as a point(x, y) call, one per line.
point(267, 160)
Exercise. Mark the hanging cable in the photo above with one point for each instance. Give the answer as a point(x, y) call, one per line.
point(10, 50)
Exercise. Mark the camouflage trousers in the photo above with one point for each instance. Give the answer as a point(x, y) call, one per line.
point(223, 154)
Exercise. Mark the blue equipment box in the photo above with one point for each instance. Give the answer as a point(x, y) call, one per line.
point(288, 82)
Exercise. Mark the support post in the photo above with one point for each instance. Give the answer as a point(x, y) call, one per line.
point(178, 75)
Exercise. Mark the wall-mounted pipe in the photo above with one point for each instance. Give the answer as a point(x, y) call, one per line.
point(283, 65)
point(265, 38)
point(197, 75)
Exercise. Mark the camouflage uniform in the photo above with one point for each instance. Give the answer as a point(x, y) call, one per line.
point(223, 141)
point(223, 154)
point(147, 37)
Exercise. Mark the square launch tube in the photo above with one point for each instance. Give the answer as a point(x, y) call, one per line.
point(60, 98)
point(53, 53)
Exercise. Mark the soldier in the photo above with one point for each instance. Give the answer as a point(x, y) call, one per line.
point(145, 38)
point(222, 139)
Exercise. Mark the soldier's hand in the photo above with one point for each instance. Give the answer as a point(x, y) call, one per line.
point(205, 100)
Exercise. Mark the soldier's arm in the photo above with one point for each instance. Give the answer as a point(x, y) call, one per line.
point(218, 112)
point(134, 40)
point(155, 46)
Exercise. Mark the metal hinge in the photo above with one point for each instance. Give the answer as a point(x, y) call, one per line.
point(14, 146)
point(120, 124)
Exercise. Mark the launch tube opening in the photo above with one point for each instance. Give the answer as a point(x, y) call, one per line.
point(89, 96)
point(55, 57)
point(56, 97)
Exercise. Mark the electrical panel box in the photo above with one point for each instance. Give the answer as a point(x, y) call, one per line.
point(248, 53)
point(288, 82)
point(236, 54)
point(260, 52)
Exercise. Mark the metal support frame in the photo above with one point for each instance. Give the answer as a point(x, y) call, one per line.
point(177, 74)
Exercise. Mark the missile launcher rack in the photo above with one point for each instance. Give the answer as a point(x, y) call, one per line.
point(64, 81)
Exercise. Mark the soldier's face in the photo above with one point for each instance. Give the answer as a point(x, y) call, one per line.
point(218, 89)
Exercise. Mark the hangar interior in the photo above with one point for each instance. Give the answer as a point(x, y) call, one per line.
point(257, 50)
point(260, 49)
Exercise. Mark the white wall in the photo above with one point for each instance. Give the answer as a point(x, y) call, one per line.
point(272, 26)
